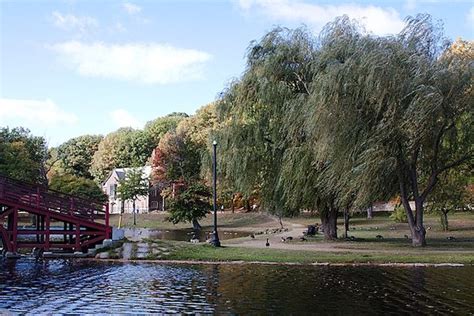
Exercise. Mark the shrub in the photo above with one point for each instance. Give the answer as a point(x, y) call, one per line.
point(399, 215)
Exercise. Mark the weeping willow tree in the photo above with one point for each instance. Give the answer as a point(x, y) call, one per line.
point(253, 137)
point(348, 118)
point(400, 108)
point(268, 145)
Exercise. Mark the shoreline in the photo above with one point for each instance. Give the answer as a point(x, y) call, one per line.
point(316, 264)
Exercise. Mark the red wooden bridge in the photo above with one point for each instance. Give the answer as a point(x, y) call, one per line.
point(31, 216)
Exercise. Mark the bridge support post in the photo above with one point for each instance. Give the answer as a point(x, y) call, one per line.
point(48, 221)
point(14, 229)
point(78, 237)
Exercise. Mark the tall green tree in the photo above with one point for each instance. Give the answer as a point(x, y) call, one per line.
point(452, 194)
point(266, 145)
point(76, 154)
point(22, 155)
point(177, 166)
point(133, 186)
point(123, 148)
point(160, 126)
point(403, 106)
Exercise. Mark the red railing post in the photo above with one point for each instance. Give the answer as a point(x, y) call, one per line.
point(38, 198)
point(71, 206)
point(15, 230)
point(78, 236)
point(48, 231)
point(107, 220)
point(2, 187)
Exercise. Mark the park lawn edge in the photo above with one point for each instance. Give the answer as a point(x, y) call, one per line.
point(204, 253)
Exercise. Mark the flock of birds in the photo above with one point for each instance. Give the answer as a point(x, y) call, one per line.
point(283, 239)
point(194, 238)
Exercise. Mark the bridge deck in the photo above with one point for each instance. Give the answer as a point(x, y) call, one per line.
point(83, 223)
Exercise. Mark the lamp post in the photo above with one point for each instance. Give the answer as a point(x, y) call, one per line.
point(215, 238)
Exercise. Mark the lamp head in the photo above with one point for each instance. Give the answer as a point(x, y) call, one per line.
point(214, 143)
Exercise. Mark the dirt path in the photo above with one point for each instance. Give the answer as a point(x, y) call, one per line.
point(296, 231)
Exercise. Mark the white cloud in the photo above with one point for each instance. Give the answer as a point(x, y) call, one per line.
point(150, 63)
point(70, 22)
point(376, 19)
point(118, 27)
point(131, 8)
point(36, 112)
point(470, 17)
point(410, 5)
point(122, 118)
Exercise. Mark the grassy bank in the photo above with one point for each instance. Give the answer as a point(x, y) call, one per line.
point(203, 252)
point(226, 220)
point(378, 240)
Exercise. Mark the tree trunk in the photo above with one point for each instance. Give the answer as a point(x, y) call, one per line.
point(233, 208)
point(196, 224)
point(444, 220)
point(415, 221)
point(329, 224)
point(370, 211)
point(134, 213)
point(346, 222)
point(418, 237)
point(418, 232)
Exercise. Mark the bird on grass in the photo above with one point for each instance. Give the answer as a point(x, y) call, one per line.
point(252, 236)
point(267, 244)
point(379, 237)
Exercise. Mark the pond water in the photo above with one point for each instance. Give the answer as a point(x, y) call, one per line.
point(181, 234)
point(73, 286)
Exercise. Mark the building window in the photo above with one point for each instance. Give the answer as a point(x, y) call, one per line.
point(113, 191)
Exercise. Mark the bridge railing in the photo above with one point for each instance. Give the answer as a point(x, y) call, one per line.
point(27, 194)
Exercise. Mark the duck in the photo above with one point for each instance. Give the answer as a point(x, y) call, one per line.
point(379, 237)
point(451, 238)
point(252, 236)
point(283, 239)
point(267, 244)
point(289, 238)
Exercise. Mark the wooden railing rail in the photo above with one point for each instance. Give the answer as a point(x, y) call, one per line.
point(41, 197)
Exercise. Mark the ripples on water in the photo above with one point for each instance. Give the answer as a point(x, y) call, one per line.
point(68, 286)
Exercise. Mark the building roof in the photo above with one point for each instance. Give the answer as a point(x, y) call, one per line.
point(121, 173)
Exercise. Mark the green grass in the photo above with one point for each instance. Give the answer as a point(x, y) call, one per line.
point(183, 251)
point(159, 220)
point(393, 248)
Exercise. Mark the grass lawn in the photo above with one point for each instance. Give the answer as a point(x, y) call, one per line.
point(204, 252)
point(394, 247)
point(228, 220)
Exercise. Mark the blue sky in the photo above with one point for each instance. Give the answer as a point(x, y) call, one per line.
point(74, 67)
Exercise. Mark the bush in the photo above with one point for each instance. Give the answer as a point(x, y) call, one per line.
point(78, 186)
point(190, 204)
point(399, 215)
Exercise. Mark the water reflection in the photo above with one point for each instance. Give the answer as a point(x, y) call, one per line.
point(181, 234)
point(87, 287)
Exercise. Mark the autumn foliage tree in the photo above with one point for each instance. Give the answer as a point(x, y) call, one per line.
point(176, 166)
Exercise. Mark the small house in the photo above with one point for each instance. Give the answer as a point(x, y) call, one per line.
point(151, 202)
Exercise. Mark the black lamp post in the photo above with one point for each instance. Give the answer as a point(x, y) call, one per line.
point(215, 238)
